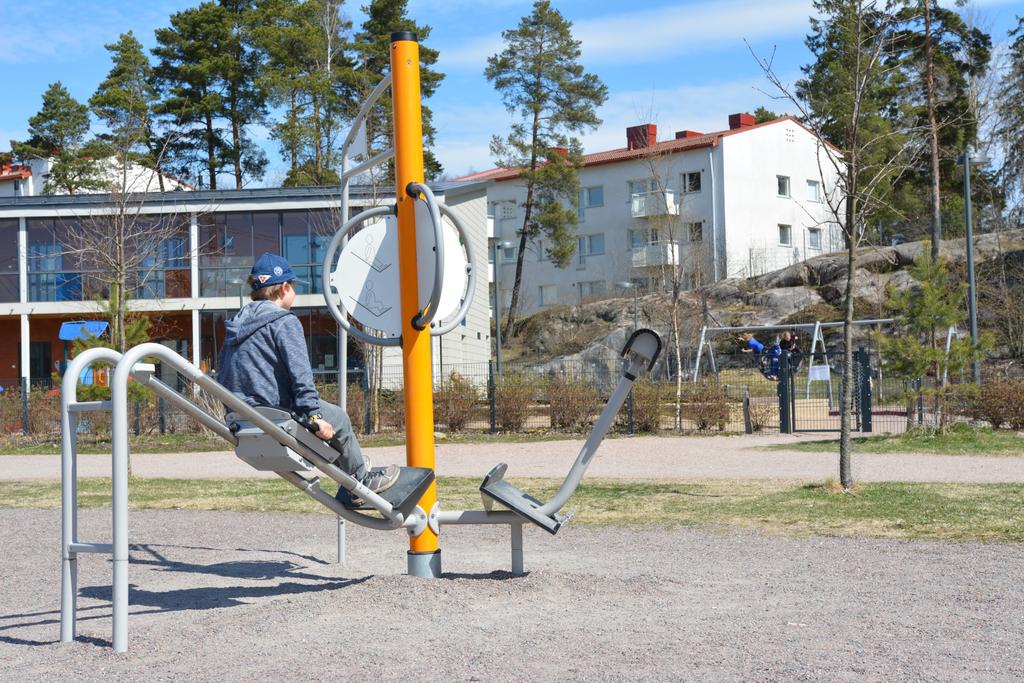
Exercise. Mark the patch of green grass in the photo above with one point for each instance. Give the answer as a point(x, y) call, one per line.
point(961, 440)
point(91, 445)
point(960, 512)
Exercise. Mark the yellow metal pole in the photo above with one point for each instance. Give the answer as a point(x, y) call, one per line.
point(424, 558)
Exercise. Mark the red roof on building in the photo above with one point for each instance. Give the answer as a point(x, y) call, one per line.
point(14, 172)
point(687, 142)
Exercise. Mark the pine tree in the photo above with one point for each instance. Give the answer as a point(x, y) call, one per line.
point(939, 54)
point(373, 45)
point(125, 102)
point(916, 345)
point(59, 132)
point(1010, 129)
point(310, 74)
point(541, 80)
point(206, 73)
point(245, 102)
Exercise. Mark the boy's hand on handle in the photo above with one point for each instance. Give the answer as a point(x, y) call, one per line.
point(324, 430)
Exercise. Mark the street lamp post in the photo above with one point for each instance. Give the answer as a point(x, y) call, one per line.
point(972, 295)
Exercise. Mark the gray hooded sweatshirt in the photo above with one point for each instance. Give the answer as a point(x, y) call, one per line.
point(265, 362)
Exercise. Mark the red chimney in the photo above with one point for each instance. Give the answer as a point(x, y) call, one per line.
point(741, 121)
point(638, 137)
point(683, 134)
point(561, 151)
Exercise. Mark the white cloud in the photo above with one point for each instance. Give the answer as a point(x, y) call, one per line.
point(652, 35)
point(704, 108)
point(464, 133)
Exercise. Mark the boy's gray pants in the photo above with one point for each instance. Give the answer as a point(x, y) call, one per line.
point(352, 459)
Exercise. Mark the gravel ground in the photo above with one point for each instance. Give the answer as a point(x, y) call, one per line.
point(230, 596)
point(642, 457)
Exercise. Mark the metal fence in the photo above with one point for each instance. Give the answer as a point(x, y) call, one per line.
point(737, 396)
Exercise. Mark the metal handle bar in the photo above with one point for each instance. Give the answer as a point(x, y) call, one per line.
point(471, 286)
point(337, 307)
point(426, 314)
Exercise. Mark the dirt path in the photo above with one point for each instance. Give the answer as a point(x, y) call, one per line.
point(242, 597)
point(642, 457)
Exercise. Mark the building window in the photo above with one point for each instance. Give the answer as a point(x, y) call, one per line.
point(508, 254)
point(590, 245)
point(641, 187)
point(813, 191)
point(783, 182)
point(785, 235)
point(691, 182)
point(9, 290)
point(695, 231)
point(814, 238)
point(508, 211)
point(637, 239)
point(590, 197)
point(591, 290)
point(546, 295)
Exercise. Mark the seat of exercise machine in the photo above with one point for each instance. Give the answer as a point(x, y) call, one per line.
point(518, 501)
point(263, 452)
point(403, 495)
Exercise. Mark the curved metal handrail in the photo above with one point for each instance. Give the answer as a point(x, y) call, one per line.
point(337, 308)
point(471, 286)
point(425, 316)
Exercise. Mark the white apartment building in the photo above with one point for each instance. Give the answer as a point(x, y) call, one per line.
point(29, 179)
point(732, 203)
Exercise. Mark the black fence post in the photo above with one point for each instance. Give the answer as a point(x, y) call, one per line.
point(367, 414)
point(785, 396)
point(748, 424)
point(162, 410)
point(25, 428)
point(138, 419)
point(491, 390)
point(864, 361)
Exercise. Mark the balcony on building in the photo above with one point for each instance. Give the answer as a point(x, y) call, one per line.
point(657, 203)
point(656, 255)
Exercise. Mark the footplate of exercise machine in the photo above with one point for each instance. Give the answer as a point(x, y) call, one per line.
point(518, 501)
point(403, 495)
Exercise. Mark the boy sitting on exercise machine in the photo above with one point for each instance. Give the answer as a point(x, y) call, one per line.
point(264, 362)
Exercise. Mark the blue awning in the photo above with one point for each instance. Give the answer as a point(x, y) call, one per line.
point(80, 329)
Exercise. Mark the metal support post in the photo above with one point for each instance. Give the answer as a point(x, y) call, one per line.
point(785, 400)
point(864, 363)
point(491, 391)
point(424, 557)
point(517, 549)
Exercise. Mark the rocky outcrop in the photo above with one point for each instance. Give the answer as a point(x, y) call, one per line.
point(561, 337)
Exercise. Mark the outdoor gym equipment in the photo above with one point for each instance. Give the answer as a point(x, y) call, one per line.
point(273, 440)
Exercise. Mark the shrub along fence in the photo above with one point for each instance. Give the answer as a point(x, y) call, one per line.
point(471, 399)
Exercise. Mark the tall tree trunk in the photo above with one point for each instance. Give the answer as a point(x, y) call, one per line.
point(236, 151)
point(846, 392)
point(528, 214)
point(211, 152)
point(933, 130)
point(293, 148)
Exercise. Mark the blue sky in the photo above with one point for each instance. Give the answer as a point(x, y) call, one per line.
point(677, 64)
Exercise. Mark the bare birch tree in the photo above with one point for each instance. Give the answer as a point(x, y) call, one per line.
point(841, 100)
